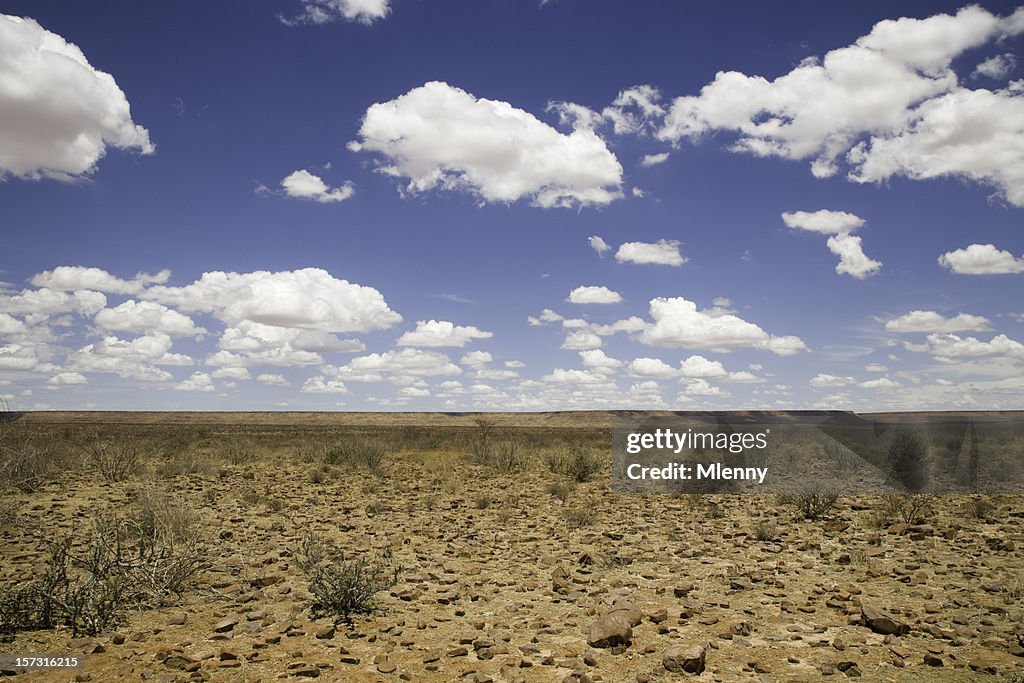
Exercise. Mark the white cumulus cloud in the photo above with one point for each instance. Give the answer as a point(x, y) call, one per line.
point(598, 244)
point(59, 112)
point(147, 316)
point(591, 294)
point(662, 252)
point(441, 137)
point(838, 225)
point(678, 324)
point(304, 185)
point(437, 333)
point(890, 104)
point(930, 321)
point(982, 259)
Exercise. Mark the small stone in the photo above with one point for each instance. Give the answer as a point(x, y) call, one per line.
point(610, 629)
point(326, 632)
point(178, 619)
point(933, 660)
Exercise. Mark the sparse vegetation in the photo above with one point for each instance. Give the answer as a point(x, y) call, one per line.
point(362, 452)
point(114, 459)
point(575, 462)
point(908, 458)
point(341, 587)
point(814, 503)
point(766, 530)
point(979, 508)
point(28, 465)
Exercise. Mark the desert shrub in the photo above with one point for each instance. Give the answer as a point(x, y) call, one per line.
point(561, 490)
point(238, 451)
point(508, 455)
point(124, 563)
point(87, 599)
point(766, 530)
point(480, 440)
point(814, 503)
point(482, 501)
point(28, 466)
point(979, 508)
point(356, 452)
point(115, 460)
point(579, 517)
point(907, 455)
point(911, 508)
point(575, 462)
point(341, 587)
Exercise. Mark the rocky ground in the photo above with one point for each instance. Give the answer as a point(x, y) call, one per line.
point(526, 576)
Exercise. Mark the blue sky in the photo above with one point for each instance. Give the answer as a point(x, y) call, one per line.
point(393, 205)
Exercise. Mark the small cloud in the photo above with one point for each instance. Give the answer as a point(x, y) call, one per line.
point(598, 245)
point(304, 185)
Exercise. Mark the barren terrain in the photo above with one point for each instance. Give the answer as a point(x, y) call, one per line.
point(495, 563)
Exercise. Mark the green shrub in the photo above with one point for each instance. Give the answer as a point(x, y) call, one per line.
point(341, 587)
point(815, 503)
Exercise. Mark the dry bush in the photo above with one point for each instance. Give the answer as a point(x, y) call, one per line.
point(356, 452)
point(27, 466)
point(114, 459)
point(579, 517)
point(979, 508)
point(575, 462)
point(766, 530)
point(814, 503)
point(341, 587)
point(238, 451)
point(911, 508)
point(561, 490)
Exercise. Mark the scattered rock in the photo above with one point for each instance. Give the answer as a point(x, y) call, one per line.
point(880, 621)
point(684, 659)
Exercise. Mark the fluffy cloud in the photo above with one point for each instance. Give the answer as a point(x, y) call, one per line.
point(581, 340)
point(437, 333)
point(654, 159)
point(562, 376)
point(594, 295)
point(839, 225)
point(47, 302)
point(60, 113)
point(930, 321)
point(310, 299)
point(274, 379)
point(824, 221)
point(75, 278)
point(10, 325)
point(146, 316)
point(826, 381)
point(67, 378)
point(254, 344)
point(441, 137)
point(129, 358)
point(852, 259)
point(678, 324)
point(880, 383)
point(997, 67)
point(950, 347)
point(598, 244)
point(662, 252)
point(322, 385)
point(889, 105)
point(398, 366)
point(651, 367)
point(330, 11)
point(982, 259)
point(597, 361)
point(199, 381)
point(305, 185)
